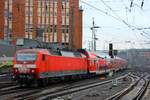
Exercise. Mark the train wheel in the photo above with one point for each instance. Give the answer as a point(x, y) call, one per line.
point(41, 82)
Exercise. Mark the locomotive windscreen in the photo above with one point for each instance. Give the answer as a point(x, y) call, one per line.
point(26, 56)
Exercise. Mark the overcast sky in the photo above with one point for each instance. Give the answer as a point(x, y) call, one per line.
point(124, 26)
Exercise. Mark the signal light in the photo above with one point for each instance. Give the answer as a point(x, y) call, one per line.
point(115, 52)
point(111, 50)
point(110, 47)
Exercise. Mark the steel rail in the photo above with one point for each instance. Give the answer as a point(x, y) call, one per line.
point(68, 90)
point(124, 92)
point(142, 91)
point(118, 95)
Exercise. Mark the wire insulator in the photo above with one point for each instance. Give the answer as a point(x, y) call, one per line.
point(142, 4)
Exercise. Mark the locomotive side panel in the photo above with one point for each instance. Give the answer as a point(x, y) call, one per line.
point(57, 66)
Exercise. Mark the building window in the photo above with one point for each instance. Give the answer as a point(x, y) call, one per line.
point(55, 37)
point(30, 35)
point(6, 4)
point(31, 11)
point(63, 20)
point(67, 12)
point(67, 4)
point(31, 2)
point(63, 29)
point(10, 7)
point(55, 3)
point(28, 18)
point(27, 4)
point(63, 37)
point(47, 20)
point(67, 30)
point(31, 21)
point(67, 20)
point(6, 22)
point(63, 12)
point(55, 12)
point(51, 20)
point(39, 20)
point(26, 35)
point(55, 30)
point(43, 20)
point(6, 12)
point(63, 5)
point(5, 29)
point(67, 38)
point(8, 19)
point(39, 11)
point(10, 25)
point(55, 20)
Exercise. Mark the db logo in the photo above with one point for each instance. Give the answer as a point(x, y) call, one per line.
point(23, 69)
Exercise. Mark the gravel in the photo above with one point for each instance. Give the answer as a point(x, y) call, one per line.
point(99, 92)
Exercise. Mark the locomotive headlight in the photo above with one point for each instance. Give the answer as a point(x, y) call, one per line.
point(15, 70)
point(32, 70)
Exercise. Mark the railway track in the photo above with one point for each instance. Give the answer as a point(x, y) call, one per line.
point(50, 93)
point(16, 92)
point(5, 80)
point(6, 84)
point(4, 74)
point(135, 91)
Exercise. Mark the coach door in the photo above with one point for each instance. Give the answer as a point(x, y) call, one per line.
point(97, 66)
point(44, 65)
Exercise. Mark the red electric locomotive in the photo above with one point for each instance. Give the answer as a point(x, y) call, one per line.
point(41, 65)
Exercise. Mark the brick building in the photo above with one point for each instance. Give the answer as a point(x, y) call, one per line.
point(45, 20)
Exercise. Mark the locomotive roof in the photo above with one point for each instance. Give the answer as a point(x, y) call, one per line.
point(45, 51)
point(103, 55)
point(51, 52)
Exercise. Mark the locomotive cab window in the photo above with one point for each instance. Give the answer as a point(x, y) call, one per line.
point(26, 56)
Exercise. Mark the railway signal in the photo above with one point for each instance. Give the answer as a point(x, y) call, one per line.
point(111, 50)
point(115, 52)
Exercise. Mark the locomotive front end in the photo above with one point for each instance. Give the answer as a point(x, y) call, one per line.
point(24, 69)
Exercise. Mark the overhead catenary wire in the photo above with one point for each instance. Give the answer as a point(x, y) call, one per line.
point(116, 14)
point(104, 12)
point(131, 5)
point(118, 18)
point(142, 3)
point(136, 28)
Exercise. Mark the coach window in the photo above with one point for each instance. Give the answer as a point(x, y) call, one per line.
point(43, 57)
point(92, 61)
